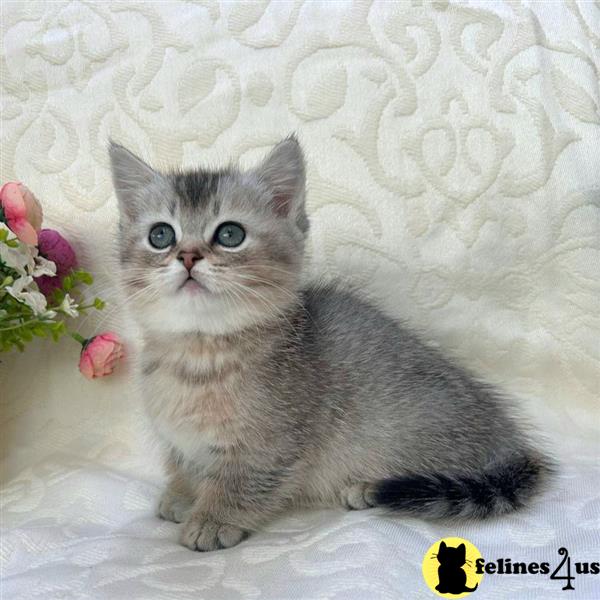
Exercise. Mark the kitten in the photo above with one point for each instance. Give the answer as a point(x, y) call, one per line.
point(267, 394)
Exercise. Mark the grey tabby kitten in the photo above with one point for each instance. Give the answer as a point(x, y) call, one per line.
point(266, 394)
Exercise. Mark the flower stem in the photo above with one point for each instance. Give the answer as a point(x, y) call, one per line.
point(22, 324)
point(77, 337)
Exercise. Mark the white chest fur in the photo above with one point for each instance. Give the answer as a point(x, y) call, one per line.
point(195, 446)
point(176, 413)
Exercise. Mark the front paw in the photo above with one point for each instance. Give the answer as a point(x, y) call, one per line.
point(203, 533)
point(174, 507)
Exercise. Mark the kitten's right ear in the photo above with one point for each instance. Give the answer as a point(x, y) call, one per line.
point(442, 546)
point(130, 176)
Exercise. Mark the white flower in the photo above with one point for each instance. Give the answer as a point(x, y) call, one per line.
point(25, 259)
point(20, 258)
point(43, 266)
point(69, 306)
point(34, 299)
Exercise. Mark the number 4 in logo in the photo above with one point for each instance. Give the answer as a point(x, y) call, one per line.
point(567, 559)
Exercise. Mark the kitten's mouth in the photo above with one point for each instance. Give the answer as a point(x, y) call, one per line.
point(192, 285)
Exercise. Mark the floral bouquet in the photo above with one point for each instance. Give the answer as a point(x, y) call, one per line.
point(41, 286)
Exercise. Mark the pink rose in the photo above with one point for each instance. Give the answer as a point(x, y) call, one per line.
point(22, 211)
point(100, 354)
point(54, 247)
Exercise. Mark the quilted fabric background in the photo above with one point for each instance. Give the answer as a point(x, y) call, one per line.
point(453, 157)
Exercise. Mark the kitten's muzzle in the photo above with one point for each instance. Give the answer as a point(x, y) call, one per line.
point(189, 259)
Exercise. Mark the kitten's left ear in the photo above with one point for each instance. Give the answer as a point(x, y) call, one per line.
point(283, 174)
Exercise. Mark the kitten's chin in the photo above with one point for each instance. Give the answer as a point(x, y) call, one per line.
point(196, 311)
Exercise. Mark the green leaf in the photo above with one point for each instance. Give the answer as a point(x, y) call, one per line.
point(99, 304)
point(85, 277)
point(58, 295)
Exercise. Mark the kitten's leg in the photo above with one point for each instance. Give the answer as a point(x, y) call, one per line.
point(176, 500)
point(229, 506)
point(358, 496)
point(178, 497)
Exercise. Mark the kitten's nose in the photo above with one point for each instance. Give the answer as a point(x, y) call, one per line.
point(189, 259)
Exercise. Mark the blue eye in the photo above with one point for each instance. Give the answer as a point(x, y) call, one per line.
point(230, 235)
point(161, 236)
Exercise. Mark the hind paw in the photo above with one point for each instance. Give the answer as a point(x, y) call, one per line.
point(358, 496)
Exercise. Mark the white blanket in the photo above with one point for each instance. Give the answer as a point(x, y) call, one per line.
point(454, 170)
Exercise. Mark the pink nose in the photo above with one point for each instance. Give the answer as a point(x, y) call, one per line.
point(189, 259)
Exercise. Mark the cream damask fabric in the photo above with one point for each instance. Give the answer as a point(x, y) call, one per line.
point(453, 157)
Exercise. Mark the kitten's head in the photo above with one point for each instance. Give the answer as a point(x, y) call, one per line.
point(450, 556)
point(211, 251)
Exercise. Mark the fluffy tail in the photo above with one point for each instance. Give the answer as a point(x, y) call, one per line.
point(501, 488)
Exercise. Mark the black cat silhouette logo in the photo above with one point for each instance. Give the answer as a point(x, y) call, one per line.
point(453, 579)
point(449, 568)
